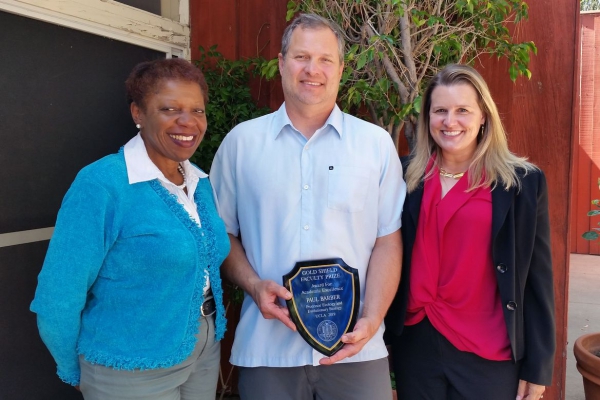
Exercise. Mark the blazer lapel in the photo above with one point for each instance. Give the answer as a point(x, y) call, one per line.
point(501, 203)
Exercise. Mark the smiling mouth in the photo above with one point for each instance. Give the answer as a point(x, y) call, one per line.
point(312, 83)
point(451, 133)
point(182, 138)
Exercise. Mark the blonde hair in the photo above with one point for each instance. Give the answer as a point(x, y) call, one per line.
point(492, 159)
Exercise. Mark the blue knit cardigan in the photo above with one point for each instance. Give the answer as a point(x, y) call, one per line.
point(123, 279)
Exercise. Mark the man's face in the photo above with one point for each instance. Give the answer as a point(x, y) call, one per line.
point(311, 70)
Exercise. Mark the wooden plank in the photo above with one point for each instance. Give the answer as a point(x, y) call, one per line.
point(575, 146)
point(537, 114)
point(586, 123)
point(260, 35)
point(254, 29)
point(595, 133)
point(278, 25)
point(242, 29)
point(214, 22)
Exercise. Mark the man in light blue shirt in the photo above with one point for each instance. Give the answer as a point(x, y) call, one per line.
point(310, 182)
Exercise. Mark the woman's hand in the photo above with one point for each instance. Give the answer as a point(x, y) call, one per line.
point(530, 391)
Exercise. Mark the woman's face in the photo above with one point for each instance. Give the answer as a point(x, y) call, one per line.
point(173, 121)
point(455, 119)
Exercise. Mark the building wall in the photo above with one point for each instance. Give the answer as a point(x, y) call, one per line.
point(538, 113)
point(586, 152)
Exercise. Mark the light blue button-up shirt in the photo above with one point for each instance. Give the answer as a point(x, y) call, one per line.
point(292, 199)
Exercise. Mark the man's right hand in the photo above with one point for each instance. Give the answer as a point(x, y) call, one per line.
point(265, 294)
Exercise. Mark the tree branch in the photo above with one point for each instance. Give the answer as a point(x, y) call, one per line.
point(407, 49)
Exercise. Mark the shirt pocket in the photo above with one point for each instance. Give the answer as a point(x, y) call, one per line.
point(347, 188)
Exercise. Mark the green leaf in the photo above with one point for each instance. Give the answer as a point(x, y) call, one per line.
point(590, 235)
point(362, 60)
point(384, 85)
point(399, 11)
point(292, 9)
point(512, 72)
point(418, 22)
point(593, 213)
point(417, 103)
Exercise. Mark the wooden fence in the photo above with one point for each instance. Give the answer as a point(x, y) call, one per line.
point(586, 152)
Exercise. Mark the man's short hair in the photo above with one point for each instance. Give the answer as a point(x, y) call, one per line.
point(312, 21)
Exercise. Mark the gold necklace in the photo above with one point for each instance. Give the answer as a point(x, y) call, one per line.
point(447, 174)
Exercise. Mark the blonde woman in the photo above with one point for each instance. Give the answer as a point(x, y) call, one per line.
point(474, 315)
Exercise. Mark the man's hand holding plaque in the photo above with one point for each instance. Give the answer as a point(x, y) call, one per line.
point(266, 294)
point(353, 341)
point(325, 302)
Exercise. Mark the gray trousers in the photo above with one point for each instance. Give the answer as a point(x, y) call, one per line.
point(193, 379)
point(358, 381)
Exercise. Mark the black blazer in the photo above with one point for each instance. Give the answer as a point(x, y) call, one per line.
point(523, 265)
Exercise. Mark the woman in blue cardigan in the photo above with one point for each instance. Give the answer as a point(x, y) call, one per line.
point(129, 299)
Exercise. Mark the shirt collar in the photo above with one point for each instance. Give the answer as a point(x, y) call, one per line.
point(140, 167)
point(281, 120)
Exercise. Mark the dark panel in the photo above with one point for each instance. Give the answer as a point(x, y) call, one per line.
point(27, 370)
point(152, 6)
point(63, 106)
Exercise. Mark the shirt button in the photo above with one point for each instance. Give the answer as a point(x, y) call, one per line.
point(511, 305)
point(502, 268)
point(306, 227)
point(305, 187)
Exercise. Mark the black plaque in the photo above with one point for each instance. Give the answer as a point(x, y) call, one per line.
point(325, 301)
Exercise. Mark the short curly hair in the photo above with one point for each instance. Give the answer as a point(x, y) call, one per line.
point(146, 77)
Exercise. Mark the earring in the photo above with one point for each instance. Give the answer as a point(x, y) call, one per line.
point(481, 130)
point(138, 126)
